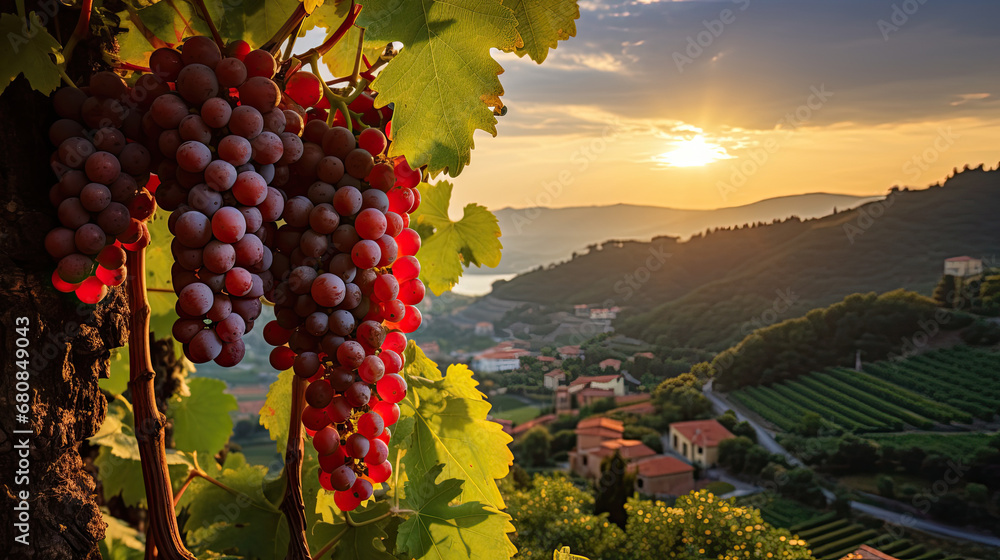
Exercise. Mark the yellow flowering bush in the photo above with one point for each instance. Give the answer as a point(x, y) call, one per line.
point(555, 513)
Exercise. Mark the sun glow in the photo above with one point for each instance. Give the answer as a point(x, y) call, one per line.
point(692, 153)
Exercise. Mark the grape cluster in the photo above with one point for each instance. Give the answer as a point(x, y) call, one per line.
point(266, 200)
point(220, 140)
point(101, 197)
point(346, 297)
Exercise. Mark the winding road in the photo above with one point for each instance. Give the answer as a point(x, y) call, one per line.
point(905, 520)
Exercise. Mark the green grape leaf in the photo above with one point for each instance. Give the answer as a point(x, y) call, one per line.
point(473, 240)
point(437, 529)
point(159, 285)
point(444, 80)
point(241, 519)
point(117, 461)
point(450, 427)
point(124, 476)
point(254, 21)
point(277, 409)
point(29, 53)
point(340, 59)
point(418, 363)
point(361, 541)
point(201, 417)
point(121, 542)
point(541, 24)
point(171, 21)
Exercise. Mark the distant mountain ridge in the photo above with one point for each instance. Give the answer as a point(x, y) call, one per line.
point(712, 290)
point(540, 236)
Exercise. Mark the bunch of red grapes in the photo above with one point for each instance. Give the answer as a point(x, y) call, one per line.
point(101, 197)
point(265, 200)
point(346, 295)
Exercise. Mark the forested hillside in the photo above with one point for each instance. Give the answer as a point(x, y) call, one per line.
point(703, 292)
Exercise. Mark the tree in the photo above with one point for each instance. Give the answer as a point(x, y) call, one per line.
point(944, 292)
point(809, 425)
point(886, 486)
point(613, 489)
point(65, 344)
point(681, 398)
point(733, 453)
point(535, 447)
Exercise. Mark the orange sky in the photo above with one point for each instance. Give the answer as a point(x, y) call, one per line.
point(611, 114)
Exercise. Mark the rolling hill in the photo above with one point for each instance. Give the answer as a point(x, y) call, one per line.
point(706, 291)
point(524, 228)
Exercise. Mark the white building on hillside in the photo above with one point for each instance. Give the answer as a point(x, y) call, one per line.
point(963, 266)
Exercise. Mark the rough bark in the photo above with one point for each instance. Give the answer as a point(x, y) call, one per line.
point(69, 344)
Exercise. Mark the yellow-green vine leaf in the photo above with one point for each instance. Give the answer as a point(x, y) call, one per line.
point(361, 541)
point(277, 409)
point(444, 80)
point(121, 542)
point(311, 5)
point(201, 416)
point(437, 529)
point(450, 428)
point(242, 520)
point(28, 53)
point(473, 240)
point(542, 24)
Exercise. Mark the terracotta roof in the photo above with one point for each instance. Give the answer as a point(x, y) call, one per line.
point(604, 433)
point(484, 324)
point(662, 465)
point(583, 380)
point(569, 350)
point(556, 373)
point(540, 421)
point(546, 359)
point(649, 355)
point(707, 433)
point(601, 422)
point(627, 448)
point(610, 362)
point(960, 259)
point(866, 552)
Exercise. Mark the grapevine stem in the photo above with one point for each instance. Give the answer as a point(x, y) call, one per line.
point(352, 523)
point(200, 4)
point(80, 31)
point(202, 474)
point(337, 35)
point(187, 482)
point(292, 503)
point(357, 58)
point(333, 542)
point(292, 23)
point(395, 480)
point(291, 41)
point(66, 78)
point(149, 421)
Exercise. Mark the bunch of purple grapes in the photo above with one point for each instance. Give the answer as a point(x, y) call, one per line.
point(101, 197)
point(346, 295)
point(220, 140)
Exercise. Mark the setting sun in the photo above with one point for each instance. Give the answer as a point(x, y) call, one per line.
point(694, 152)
